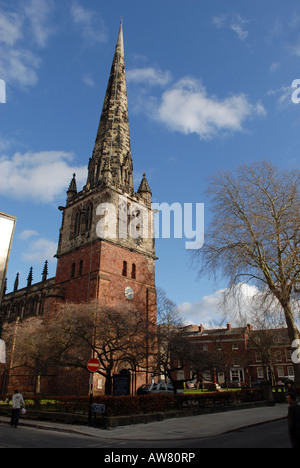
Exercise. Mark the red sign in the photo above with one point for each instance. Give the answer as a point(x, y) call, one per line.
point(93, 365)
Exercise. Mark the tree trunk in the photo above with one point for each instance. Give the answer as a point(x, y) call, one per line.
point(108, 385)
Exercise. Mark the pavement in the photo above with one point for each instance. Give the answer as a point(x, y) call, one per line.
point(193, 427)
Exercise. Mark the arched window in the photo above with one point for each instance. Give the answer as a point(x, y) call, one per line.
point(77, 223)
point(124, 272)
point(133, 271)
point(89, 217)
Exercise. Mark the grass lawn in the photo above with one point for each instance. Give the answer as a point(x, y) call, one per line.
point(193, 392)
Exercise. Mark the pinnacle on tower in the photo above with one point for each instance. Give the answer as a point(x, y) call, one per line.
point(112, 143)
point(144, 190)
point(16, 284)
point(144, 187)
point(45, 272)
point(30, 278)
point(72, 190)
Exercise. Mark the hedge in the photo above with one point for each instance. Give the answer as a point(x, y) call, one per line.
point(144, 404)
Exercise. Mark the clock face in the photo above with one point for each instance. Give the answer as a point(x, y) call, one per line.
point(129, 294)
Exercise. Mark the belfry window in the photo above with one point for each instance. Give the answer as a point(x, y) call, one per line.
point(77, 223)
point(89, 217)
point(124, 271)
point(133, 271)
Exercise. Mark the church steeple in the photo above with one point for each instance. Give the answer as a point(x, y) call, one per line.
point(112, 146)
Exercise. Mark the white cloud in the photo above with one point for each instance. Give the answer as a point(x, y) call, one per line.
point(27, 234)
point(204, 311)
point(40, 250)
point(283, 96)
point(41, 177)
point(88, 80)
point(28, 24)
point(19, 66)
point(149, 76)
point(37, 13)
point(212, 308)
point(10, 28)
point(188, 108)
point(275, 66)
point(235, 22)
point(91, 27)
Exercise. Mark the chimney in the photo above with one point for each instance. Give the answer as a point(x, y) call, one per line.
point(228, 326)
point(201, 328)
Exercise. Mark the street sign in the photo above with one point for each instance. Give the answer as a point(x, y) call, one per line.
point(93, 365)
point(96, 408)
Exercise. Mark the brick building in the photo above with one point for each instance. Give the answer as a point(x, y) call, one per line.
point(241, 355)
point(106, 251)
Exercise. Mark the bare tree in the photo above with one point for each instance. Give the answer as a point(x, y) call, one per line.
point(110, 334)
point(254, 236)
point(74, 334)
point(30, 346)
point(173, 347)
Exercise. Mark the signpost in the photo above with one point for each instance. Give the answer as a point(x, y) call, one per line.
point(93, 366)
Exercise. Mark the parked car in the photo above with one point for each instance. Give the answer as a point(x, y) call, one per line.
point(157, 388)
point(144, 389)
point(190, 385)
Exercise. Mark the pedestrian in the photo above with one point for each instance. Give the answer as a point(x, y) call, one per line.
point(17, 402)
point(294, 420)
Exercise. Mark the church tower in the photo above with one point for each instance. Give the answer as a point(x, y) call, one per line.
point(106, 248)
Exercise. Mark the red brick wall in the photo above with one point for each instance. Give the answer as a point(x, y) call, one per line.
point(102, 278)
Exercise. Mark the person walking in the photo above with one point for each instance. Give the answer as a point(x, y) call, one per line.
point(18, 402)
point(294, 420)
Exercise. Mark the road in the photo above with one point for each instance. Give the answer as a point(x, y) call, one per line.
point(270, 435)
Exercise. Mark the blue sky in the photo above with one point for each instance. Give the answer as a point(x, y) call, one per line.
point(209, 87)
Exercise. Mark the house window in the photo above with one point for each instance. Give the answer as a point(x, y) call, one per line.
point(235, 346)
point(124, 271)
point(260, 372)
point(291, 371)
point(258, 356)
point(280, 370)
point(236, 360)
point(237, 375)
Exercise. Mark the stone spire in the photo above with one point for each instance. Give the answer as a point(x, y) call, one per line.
point(112, 146)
